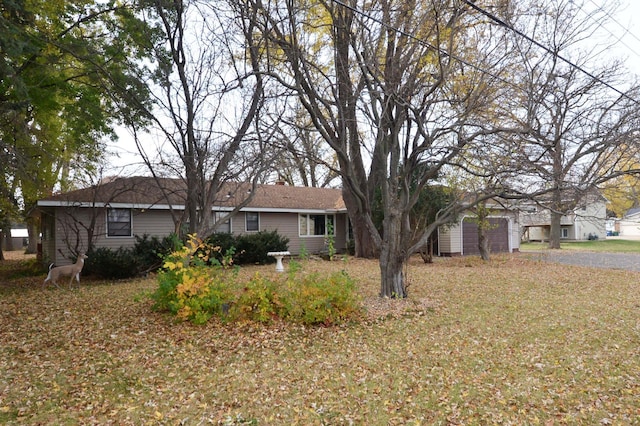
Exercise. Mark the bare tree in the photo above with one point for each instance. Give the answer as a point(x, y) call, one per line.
point(208, 92)
point(305, 158)
point(579, 124)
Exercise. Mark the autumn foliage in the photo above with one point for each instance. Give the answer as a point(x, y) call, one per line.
point(195, 286)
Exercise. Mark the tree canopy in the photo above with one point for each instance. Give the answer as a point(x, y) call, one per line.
point(58, 62)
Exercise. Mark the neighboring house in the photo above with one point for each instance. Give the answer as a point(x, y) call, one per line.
point(585, 222)
point(115, 211)
point(461, 238)
point(629, 225)
point(17, 240)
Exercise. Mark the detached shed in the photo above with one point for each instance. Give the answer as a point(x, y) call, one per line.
point(461, 238)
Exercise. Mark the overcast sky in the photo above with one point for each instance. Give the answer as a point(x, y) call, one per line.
point(624, 26)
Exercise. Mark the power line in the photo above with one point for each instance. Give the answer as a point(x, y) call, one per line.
point(548, 50)
point(618, 38)
point(482, 70)
point(608, 15)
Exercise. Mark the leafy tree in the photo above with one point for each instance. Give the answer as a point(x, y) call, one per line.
point(56, 111)
point(623, 192)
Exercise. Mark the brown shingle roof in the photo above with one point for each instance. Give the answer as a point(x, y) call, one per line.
point(146, 191)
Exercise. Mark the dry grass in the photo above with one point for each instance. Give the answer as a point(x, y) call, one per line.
point(511, 342)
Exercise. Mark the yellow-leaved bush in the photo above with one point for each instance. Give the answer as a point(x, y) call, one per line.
point(194, 287)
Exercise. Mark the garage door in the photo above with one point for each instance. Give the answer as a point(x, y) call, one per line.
point(498, 236)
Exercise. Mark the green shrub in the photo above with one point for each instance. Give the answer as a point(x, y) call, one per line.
point(315, 299)
point(111, 264)
point(258, 300)
point(193, 290)
point(149, 251)
point(249, 249)
point(226, 242)
point(145, 256)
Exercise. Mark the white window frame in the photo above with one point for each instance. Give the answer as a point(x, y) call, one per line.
point(246, 227)
point(107, 218)
point(217, 215)
point(564, 233)
point(308, 222)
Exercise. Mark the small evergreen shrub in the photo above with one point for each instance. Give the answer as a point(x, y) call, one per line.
point(226, 242)
point(253, 248)
point(111, 264)
point(249, 249)
point(149, 251)
point(121, 263)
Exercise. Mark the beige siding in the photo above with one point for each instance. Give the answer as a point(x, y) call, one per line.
point(286, 224)
point(71, 224)
point(150, 222)
point(591, 220)
point(341, 232)
point(70, 231)
point(48, 225)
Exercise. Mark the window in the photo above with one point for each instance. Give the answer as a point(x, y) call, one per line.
point(119, 223)
point(252, 221)
point(222, 227)
point(315, 224)
point(564, 233)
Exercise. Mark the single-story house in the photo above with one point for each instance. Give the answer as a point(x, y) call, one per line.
point(587, 221)
point(461, 238)
point(629, 225)
point(113, 212)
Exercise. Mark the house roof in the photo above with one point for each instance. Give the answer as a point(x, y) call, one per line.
point(632, 212)
point(151, 193)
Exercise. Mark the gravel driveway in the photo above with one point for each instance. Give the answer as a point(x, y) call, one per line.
point(625, 261)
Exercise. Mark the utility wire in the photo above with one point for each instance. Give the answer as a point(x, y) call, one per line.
point(546, 49)
point(618, 38)
point(465, 62)
point(608, 15)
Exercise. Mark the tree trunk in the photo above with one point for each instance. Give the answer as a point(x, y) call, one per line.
point(2, 238)
point(32, 241)
point(554, 232)
point(392, 258)
point(365, 246)
point(391, 275)
point(483, 244)
point(7, 241)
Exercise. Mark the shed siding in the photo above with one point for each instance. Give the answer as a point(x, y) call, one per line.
point(450, 238)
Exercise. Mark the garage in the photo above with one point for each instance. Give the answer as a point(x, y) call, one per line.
point(498, 236)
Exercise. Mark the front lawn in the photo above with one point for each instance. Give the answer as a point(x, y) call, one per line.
point(512, 342)
point(608, 245)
